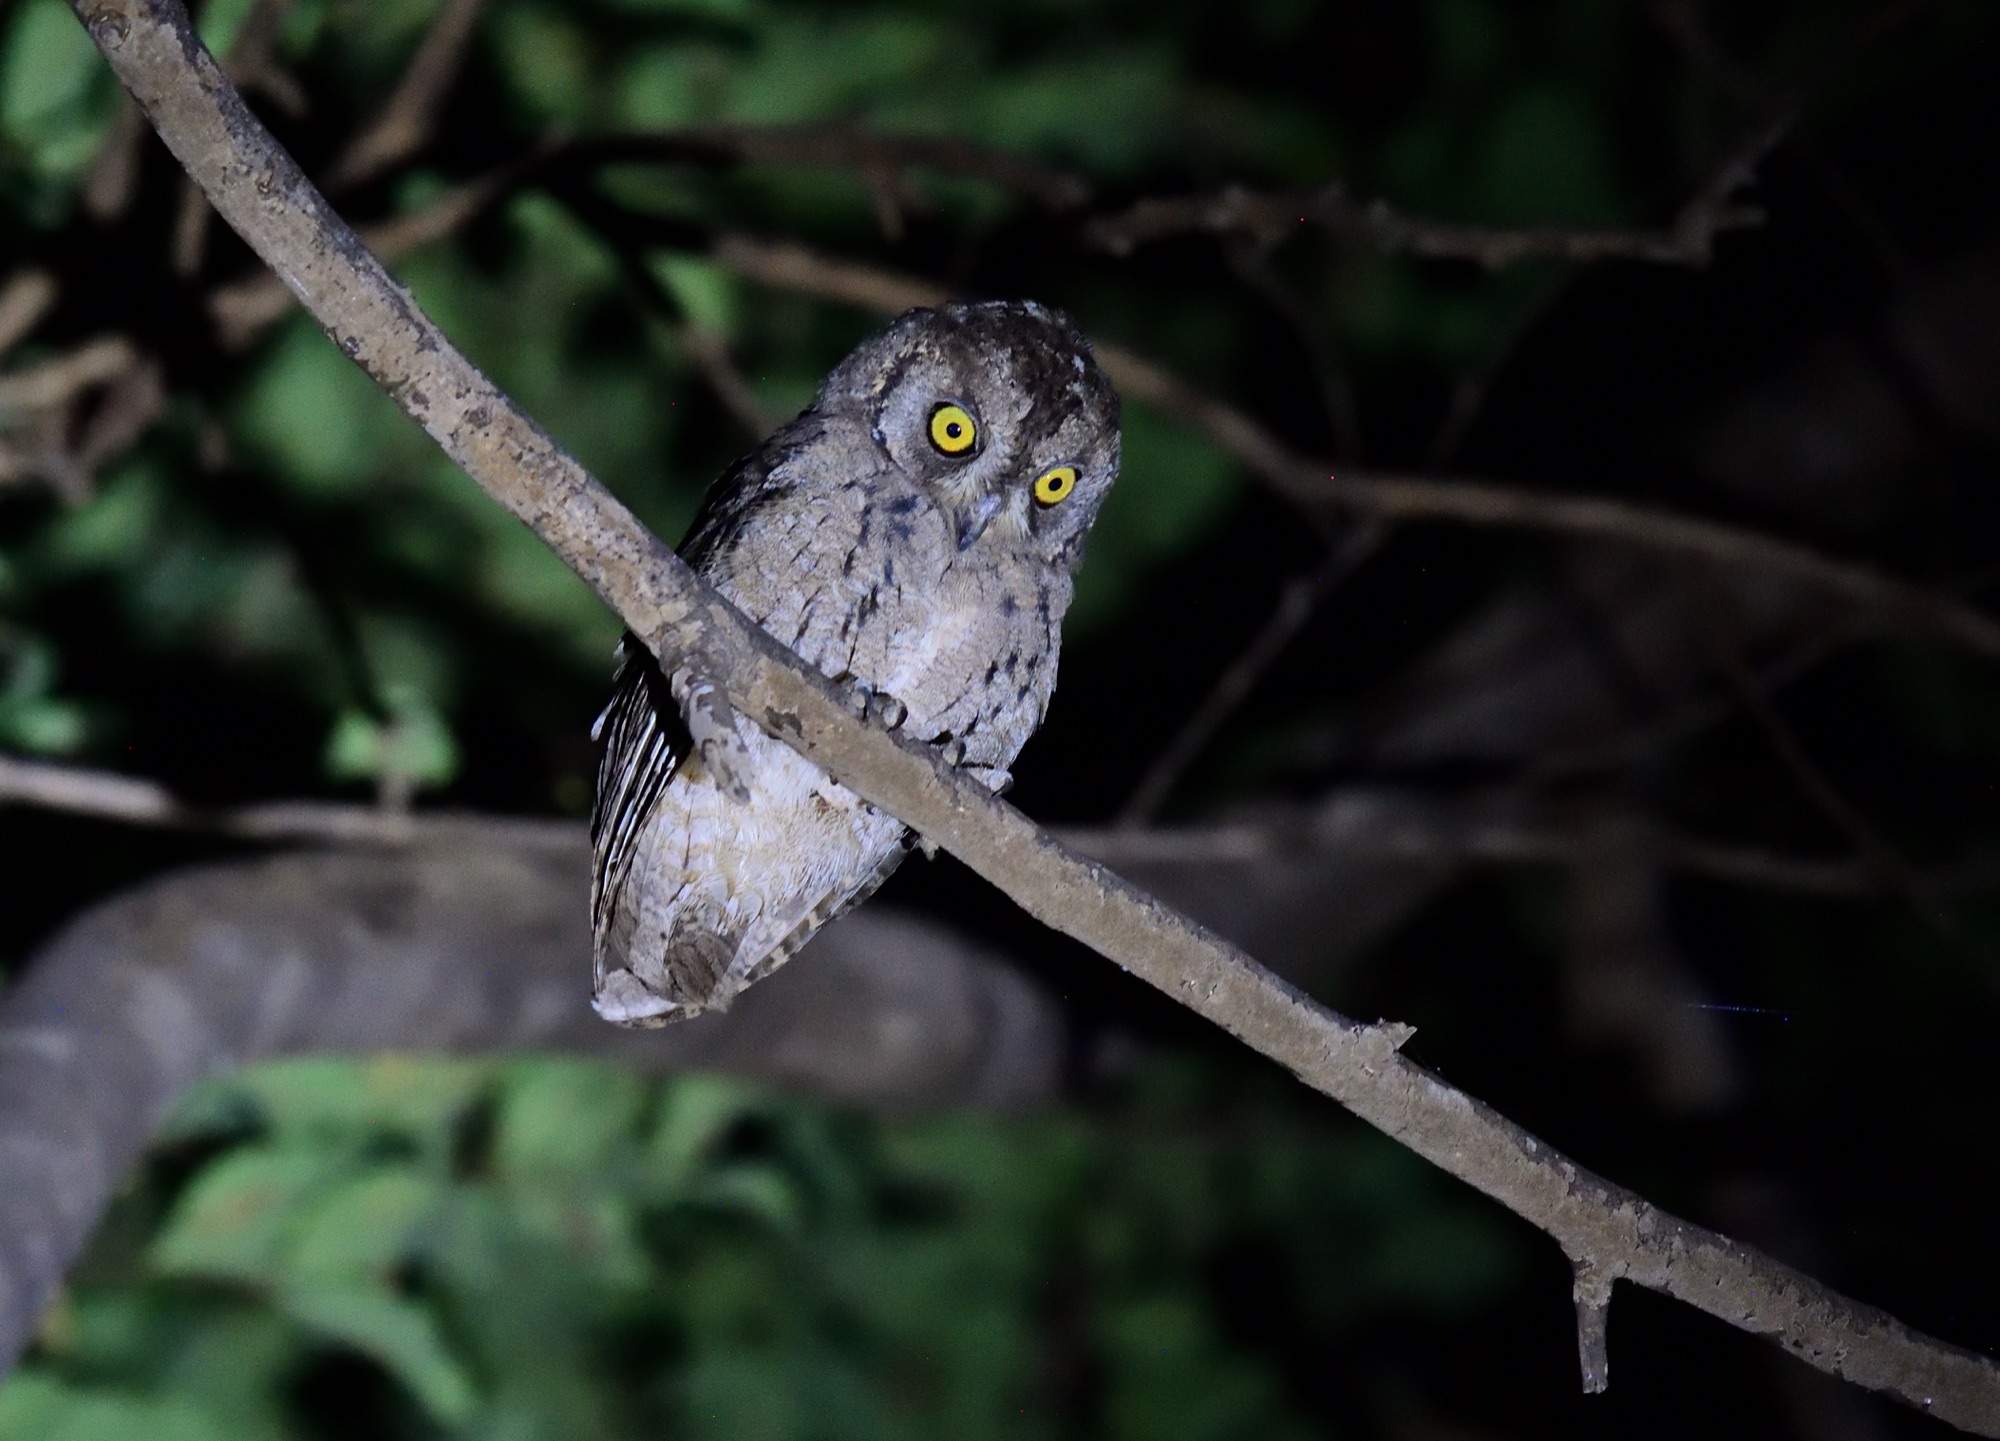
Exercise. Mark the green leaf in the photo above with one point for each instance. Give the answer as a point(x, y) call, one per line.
point(345, 1104)
point(47, 70)
point(235, 1221)
point(314, 416)
point(563, 1117)
point(400, 1335)
point(695, 1111)
point(115, 527)
point(219, 23)
point(362, 1228)
point(45, 1409)
point(415, 743)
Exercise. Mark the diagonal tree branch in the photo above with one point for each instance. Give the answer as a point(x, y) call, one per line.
point(260, 191)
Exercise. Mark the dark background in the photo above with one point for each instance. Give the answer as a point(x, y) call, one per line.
point(267, 585)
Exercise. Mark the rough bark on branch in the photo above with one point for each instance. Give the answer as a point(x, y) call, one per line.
point(260, 191)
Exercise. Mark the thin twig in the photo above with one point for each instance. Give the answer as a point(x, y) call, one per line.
point(260, 191)
point(1267, 217)
point(1401, 828)
point(133, 801)
point(705, 350)
point(1819, 791)
point(406, 121)
point(243, 309)
point(837, 148)
point(27, 296)
point(1296, 604)
point(58, 380)
point(113, 177)
point(1414, 832)
point(709, 353)
point(1252, 265)
point(1392, 496)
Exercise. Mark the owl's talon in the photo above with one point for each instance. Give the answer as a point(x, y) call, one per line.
point(875, 705)
point(952, 750)
point(886, 709)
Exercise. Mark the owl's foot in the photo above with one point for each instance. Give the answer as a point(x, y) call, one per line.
point(876, 705)
point(951, 748)
point(711, 724)
point(997, 780)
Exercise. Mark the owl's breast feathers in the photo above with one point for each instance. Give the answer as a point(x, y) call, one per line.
point(695, 894)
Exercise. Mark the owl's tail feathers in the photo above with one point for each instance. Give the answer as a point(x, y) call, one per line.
point(653, 981)
point(704, 961)
point(622, 998)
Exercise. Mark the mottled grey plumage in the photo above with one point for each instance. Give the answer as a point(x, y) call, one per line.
point(920, 552)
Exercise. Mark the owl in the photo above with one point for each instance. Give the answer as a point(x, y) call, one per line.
point(913, 535)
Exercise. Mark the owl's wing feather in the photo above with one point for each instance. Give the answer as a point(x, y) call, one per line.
point(759, 480)
point(645, 742)
point(830, 907)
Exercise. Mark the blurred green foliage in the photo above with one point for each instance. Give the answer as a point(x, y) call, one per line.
point(557, 1249)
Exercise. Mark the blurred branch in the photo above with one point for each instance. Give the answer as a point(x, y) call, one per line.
point(56, 381)
point(75, 411)
point(133, 801)
point(406, 121)
point(1682, 22)
point(1267, 217)
point(1819, 791)
point(1401, 826)
point(452, 948)
point(242, 309)
point(1296, 604)
point(837, 148)
point(113, 177)
point(787, 265)
point(1391, 496)
point(1252, 264)
point(257, 187)
point(24, 300)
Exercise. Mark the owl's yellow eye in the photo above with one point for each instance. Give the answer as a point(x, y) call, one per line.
point(1055, 485)
point(952, 430)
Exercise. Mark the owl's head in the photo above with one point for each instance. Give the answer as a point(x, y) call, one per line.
point(996, 410)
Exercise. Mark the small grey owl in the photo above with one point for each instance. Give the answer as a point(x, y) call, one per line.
point(912, 534)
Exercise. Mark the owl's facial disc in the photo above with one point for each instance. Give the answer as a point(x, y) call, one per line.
point(997, 413)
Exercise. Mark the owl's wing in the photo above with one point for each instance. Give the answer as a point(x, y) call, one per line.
point(760, 479)
point(645, 742)
point(829, 907)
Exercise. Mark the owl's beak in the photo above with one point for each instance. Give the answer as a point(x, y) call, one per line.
point(972, 524)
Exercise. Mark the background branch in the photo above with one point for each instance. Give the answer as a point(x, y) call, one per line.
point(468, 945)
point(1266, 218)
